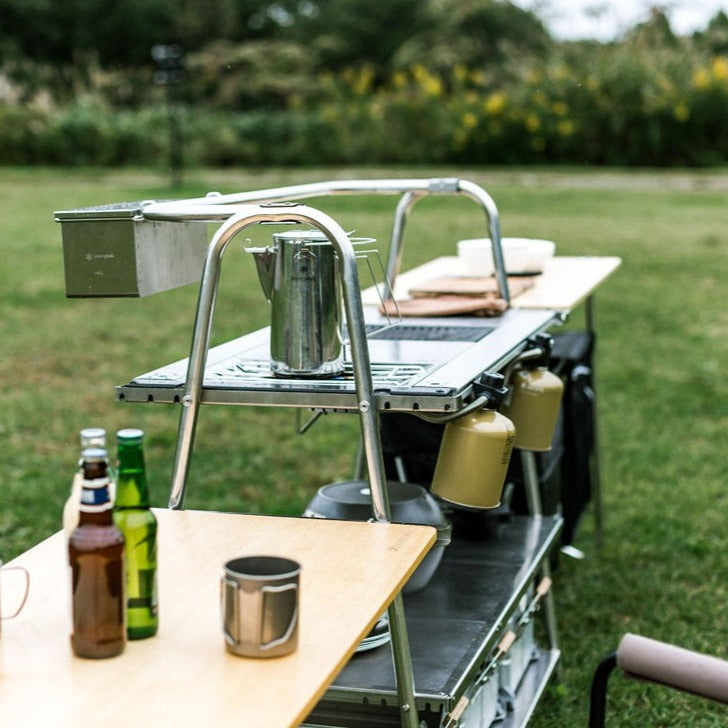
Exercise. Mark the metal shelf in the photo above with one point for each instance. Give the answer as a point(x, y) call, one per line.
point(454, 625)
point(428, 366)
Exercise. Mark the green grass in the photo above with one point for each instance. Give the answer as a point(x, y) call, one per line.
point(663, 344)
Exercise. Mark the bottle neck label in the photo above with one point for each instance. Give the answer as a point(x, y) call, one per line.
point(95, 496)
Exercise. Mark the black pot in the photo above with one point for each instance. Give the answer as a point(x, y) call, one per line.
point(408, 503)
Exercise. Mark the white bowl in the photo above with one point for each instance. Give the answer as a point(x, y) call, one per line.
point(521, 255)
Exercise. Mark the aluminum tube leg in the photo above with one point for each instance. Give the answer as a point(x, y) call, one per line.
point(596, 467)
point(197, 360)
point(530, 482)
point(533, 497)
point(402, 664)
point(394, 260)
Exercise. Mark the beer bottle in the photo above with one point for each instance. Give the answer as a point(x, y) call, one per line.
point(96, 557)
point(136, 521)
point(90, 437)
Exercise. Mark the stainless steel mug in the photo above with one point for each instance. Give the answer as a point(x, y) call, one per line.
point(300, 278)
point(21, 602)
point(259, 604)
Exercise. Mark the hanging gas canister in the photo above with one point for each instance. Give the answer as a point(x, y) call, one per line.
point(533, 400)
point(475, 452)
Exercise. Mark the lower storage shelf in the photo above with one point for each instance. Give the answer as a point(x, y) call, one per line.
point(480, 591)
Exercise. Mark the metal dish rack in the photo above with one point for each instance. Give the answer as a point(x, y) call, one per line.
point(395, 700)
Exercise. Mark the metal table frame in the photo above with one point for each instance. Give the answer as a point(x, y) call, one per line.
point(239, 211)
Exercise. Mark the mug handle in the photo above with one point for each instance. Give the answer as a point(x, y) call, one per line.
point(229, 610)
point(25, 592)
point(291, 625)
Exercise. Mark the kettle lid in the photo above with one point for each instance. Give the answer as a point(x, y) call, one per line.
point(302, 236)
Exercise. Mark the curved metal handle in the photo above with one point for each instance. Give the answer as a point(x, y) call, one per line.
point(229, 610)
point(25, 592)
point(291, 624)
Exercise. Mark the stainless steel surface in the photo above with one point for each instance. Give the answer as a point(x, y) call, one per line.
point(456, 621)
point(259, 604)
point(299, 277)
point(112, 251)
point(220, 207)
point(430, 374)
point(456, 186)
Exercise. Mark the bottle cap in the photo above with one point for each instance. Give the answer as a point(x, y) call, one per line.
point(130, 434)
point(94, 454)
point(93, 434)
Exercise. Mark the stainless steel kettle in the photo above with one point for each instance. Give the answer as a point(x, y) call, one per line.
point(299, 276)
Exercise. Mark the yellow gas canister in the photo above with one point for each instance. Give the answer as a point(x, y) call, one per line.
point(532, 404)
point(473, 459)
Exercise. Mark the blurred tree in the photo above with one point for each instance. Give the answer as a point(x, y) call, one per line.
point(350, 32)
point(63, 32)
point(473, 33)
point(654, 32)
point(714, 38)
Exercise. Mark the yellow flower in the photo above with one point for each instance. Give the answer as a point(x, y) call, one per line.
point(533, 123)
point(419, 71)
point(362, 81)
point(565, 127)
point(495, 103)
point(701, 79)
point(470, 121)
point(460, 72)
point(720, 68)
point(559, 108)
point(399, 79)
point(431, 85)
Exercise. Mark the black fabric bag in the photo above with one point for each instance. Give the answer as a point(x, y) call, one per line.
point(572, 359)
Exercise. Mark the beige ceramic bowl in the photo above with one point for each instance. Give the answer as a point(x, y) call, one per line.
point(521, 255)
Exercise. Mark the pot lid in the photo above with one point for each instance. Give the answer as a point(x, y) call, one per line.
point(358, 492)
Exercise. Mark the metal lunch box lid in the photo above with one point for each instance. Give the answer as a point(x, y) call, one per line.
point(114, 211)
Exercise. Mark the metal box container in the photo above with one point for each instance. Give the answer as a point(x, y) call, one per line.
point(520, 654)
point(484, 707)
point(113, 251)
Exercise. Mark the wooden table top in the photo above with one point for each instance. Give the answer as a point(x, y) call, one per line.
point(566, 281)
point(184, 676)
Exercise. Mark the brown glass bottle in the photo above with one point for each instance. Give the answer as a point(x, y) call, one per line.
point(96, 556)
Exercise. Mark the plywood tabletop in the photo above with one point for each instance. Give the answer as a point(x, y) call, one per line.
point(566, 281)
point(184, 676)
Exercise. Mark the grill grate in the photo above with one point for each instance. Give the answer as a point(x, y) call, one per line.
point(415, 332)
point(251, 373)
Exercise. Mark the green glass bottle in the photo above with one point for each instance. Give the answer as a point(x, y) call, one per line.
point(136, 521)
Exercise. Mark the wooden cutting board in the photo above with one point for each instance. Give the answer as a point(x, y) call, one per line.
point(470, 286)
point(447, 305)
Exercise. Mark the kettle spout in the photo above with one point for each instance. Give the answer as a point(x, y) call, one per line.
point(265, 262)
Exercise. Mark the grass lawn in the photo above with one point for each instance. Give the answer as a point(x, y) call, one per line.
point(663, 343)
